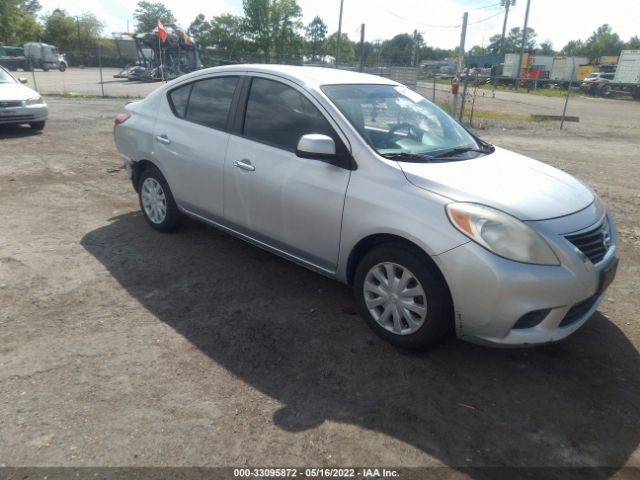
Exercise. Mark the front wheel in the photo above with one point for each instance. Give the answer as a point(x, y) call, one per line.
point(403, 297)
point(156, 201)
point(37, 126)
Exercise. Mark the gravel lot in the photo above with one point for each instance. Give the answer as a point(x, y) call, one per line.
point(120, 346)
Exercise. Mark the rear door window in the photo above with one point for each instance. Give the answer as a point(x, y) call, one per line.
point(206, 102)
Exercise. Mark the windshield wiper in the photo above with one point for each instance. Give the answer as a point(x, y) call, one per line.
point(407, 156)
point(488, 148)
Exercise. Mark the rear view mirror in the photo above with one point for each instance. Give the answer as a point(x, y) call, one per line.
point(22, 80)
point(316, 146)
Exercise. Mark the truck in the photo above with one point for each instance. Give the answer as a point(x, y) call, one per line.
point(31, 56)
point(46, 57)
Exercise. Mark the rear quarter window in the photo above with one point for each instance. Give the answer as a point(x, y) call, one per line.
point(179, 98)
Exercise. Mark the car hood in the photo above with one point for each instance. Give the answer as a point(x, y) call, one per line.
point(15, 91)
point(513, 183)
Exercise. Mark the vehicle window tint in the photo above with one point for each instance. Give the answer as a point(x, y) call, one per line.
point(179, 98)
point(279, 115)
point(210, 101)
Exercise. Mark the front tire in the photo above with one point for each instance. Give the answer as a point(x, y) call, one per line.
point(156, 201)
point(37, 126)
point(403, 297)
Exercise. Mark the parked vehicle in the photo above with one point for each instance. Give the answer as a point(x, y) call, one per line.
point(46, 57)
point(19, 104)
point(33, 55)
point(365, 181)
point(627, 77)
point(595, 83)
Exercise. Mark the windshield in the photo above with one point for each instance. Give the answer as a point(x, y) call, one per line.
point(398, 123)
point(5, 77)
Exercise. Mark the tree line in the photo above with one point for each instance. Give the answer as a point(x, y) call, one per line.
point(269, 31)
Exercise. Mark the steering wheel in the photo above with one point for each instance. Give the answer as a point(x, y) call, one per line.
point(413, 132)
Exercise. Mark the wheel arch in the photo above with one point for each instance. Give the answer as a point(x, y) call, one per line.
point(367, 243)
point(136, 171)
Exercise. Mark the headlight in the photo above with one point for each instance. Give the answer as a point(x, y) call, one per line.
point(501, 233)
point(34, 101)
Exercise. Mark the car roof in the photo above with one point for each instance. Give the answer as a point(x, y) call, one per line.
point(308, 75)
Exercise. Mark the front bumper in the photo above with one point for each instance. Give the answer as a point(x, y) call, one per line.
point(490, 293)
point(23, 114)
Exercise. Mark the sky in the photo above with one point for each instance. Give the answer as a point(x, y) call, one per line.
point(437, 20)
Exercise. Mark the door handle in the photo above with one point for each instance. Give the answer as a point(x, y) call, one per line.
point(163, 139)
point(244, 164)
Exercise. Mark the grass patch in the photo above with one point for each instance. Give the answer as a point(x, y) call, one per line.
point(488, 114)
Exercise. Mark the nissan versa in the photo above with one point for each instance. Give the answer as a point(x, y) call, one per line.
point(365, 181)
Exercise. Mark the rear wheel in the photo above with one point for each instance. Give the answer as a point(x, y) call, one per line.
point(156, 201)
point(402, 297)
point(37, 126)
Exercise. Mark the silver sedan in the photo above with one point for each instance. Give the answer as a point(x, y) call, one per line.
point(19, 104)
point(365, 181)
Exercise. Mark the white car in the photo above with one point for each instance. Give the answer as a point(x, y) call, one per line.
point(19, 104)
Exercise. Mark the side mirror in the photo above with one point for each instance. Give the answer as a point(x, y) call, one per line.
point(316, 146)
point(22, 80)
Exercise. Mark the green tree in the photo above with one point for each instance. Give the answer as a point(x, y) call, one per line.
point(223, 37)
point(18, 23)
point(573, 48)
point(633, 43)
point(603, 42)
point(71, 34)
point(316, 33)
point(148, 13)
point(272, 26)
point(400, 49)
point(198, 28)
point(545, 48)
point(513, 41)
point(347, 53)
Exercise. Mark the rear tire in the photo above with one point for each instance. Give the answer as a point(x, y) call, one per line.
point(156, 201)
point(37, 126)
point(403, 297)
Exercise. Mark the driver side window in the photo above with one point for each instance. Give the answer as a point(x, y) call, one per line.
point(279, 115)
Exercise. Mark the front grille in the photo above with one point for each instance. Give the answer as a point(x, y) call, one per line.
point(578, 311)
point(16, 118)
point(594, 243)
point(10, 103)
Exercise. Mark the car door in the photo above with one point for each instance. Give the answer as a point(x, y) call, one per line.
point(191, 138)
point(271, 194)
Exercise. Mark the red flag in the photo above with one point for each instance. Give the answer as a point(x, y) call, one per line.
point(162, 33)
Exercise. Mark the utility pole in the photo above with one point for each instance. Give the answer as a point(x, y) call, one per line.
point(524, 41)
point(361, 47)
point(339, 34)
point(463, 35)
point(506, 4)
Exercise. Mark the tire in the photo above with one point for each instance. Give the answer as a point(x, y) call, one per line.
point(37, 126)
point(45, 69)
point(156, 201)
point(419, 330)
point(62, 67)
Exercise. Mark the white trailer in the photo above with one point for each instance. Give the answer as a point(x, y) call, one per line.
point(627, 78)
point(564, 69)
point(511, 66)
point(545, 62)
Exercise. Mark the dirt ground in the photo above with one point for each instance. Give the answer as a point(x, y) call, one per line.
point(120, 346)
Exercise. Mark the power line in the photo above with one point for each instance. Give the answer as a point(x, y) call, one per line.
point(442, 26)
